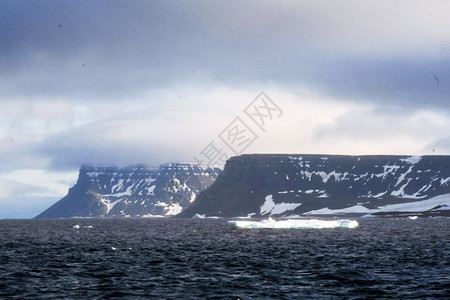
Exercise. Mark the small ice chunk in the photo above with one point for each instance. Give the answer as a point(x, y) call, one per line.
point(368, 216)
point(198, 216)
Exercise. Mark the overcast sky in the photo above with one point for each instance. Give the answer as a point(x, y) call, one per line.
point(125, 82)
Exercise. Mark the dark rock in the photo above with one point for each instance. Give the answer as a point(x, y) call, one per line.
point(260, 185)
point(135, 191)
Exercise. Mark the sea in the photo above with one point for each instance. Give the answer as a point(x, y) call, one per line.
point(206, 259)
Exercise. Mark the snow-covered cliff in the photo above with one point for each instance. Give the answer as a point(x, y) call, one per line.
point(135, 191)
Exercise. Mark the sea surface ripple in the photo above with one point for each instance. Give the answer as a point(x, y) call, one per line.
point(195, 259)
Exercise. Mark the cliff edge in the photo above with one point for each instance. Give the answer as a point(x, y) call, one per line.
point(261, 185)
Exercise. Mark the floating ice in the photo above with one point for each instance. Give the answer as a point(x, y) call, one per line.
point(369, 216)
point(76, 227)
point(198, 216)
point(293, 224)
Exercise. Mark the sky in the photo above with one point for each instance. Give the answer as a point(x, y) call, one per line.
point(126, 82)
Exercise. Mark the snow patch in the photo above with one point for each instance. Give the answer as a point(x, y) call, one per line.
point(445, 181)
point(388, 169)
point(379, 195)
point(173, 209)
point(192, 198)
point(326, 211)
point(325, 176)
point(109, 204)
point(150, 190)
point(417, 206)
point(400, 193)
point(269, 207)
point(412, 159)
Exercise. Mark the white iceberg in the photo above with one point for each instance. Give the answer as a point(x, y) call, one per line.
point(293, 224)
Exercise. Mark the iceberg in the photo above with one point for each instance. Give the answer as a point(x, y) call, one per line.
point(293, 224)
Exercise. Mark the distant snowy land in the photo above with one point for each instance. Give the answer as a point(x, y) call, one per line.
point(134, 191)
point(263, 185)
point(278, 185)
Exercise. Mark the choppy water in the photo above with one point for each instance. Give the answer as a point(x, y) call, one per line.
point(192, 259)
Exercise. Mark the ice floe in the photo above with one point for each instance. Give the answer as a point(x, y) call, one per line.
point(199, 216)
point(293, 224)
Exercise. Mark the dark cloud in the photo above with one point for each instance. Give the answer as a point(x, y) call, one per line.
point(97, 48)
point(407, 82)
point(113, 50)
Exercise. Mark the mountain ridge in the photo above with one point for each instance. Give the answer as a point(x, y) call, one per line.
point(278, 185)
point(132, 191)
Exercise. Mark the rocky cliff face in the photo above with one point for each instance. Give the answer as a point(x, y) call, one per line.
point(134, 191)
point(286, 185)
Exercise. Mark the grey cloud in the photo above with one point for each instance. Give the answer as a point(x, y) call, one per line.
point(378, 124)
point(89, 145)
point(404, 82)
point(441, 146)
point(18, 155)
point(106, 50)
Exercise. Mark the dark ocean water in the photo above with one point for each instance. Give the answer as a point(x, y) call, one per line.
point(195, 259)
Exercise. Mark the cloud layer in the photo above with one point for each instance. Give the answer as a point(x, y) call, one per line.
point(388, 51)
